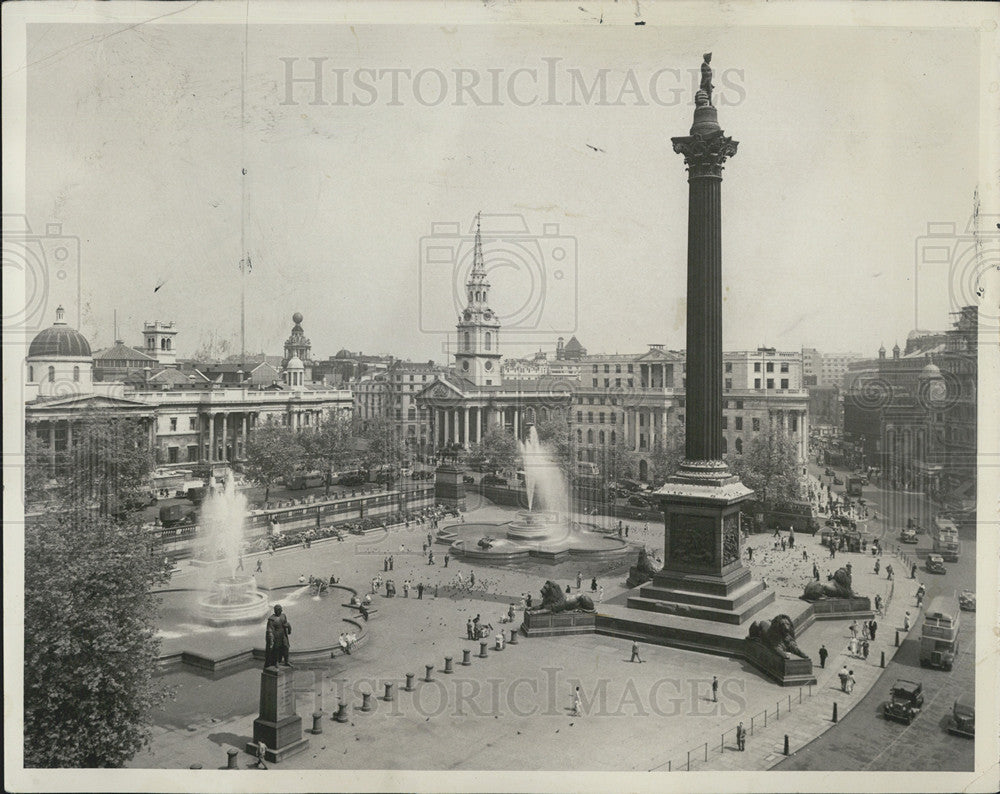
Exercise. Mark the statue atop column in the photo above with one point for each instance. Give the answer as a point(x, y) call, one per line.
point(706, 77)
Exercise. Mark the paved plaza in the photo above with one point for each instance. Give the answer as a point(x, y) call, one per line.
point(513, 709)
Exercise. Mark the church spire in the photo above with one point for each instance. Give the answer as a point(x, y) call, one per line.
point(478, 269)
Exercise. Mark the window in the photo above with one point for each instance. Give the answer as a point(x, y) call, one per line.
point(192, 423)
point(739, 422)
point(172, 454)
point(739, 446)
point(590, 417)
point(613, 418)
point(618, 382)
point(579, 417)
point(590, 401)
point(52, 374)
point(600, 417)
point(795, 424)
point(642, 420)
point(729, 367)
point(579, 436)
point(739, 405)
point(595, 382)
point(630, 368)
point(784, 383)
point(607, 382)
point(725, 422)
point(770, 383)
point(76, 374)
point(600, 437)
point(770, 366)
point(756, 383)
point(489, 341)
point(618, 368)
point(612, 436)
point(756, 424)
point(31, 374)
point(173, 422)
point(756, 366)
point(729, 384)
point(725, 445)
point(680, 417)
point(631, 381)
point(784, 366)
point(607, 368)
point(595, 368)
point(590, 436)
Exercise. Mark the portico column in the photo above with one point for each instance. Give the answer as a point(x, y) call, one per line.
point(243, 443)
point(211, 437)
point(223, 433)
point(465, 427)
point(517, 423)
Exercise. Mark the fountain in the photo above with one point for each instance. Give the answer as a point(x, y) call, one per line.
point(545, 530)
point(233, 599)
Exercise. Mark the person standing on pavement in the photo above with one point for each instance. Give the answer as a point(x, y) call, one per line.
point(635, 653)
point(577, 704)
point(842, 675)
point(741, 737)
point(420, 590)
point(593, 585)
point(823, 653)
point(872, 627)
point(850, 682)
point(579, 580)
point(715, 689)
point(468, 629)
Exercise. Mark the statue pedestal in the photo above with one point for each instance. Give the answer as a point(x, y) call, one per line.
point(448, 486)
point(786, 670)
point(547, 624)
point(278, 726)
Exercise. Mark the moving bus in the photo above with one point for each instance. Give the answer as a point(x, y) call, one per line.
point(301, 481)
point(944, 535)
point(939, 634)
point(801, 516)
point(855, 486)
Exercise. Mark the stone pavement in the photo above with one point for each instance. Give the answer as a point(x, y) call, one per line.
point(512, 709)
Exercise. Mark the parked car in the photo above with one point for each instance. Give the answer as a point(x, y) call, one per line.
point(406, 471)
point(967, 600)
point(468, 479)
point(837, 481)
point(908, 536)
point(494, 479)
point(829, 472)
point(906, 698)
point(640, 501)
point(962, 719)
point(935, 563)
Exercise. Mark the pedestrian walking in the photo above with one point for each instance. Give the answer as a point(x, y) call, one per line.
point(865, 649)
point(888, 572)
point(593, 585)
point(391, 561)
point(577, 704)
point(626, 530)
point(865, 630)
point(854, 629)
point(260, 566)
point(850, 681)
point(791, 538)
point(823, 653)
point(852, 646)
point(750, 553)
point(872, 627)
point(446, 558)
point(741, 737)
point(385, 564)
point(240, 566)
point(815, 572)
point(906, 622)
point(261, 755)
point(468, 629)
point(430, 557)
point(579, 580)
point(805, 555)
point(878, 566)
point(913, 571)
point(842, 675)
point(420, 590)
point(472, 578)
point(635, 653)
point(406, 588)
point(715, 689)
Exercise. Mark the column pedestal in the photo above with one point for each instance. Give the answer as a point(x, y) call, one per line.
point(278, 726)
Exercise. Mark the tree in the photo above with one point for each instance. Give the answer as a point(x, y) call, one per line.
point(498, 448)
point(769, 466)
point(331, 446)
point(90, 646)
point(380, 444)
point(272, 451)
point(619, 461)
point(554, 434)
point(666, 455)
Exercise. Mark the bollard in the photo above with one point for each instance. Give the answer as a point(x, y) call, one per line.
point(409, 682)
point(669, 765)
point(834, 712)
point(800, 696)
point(790, 700)
point(751, 726)
point(366, 701)
point(786, 744)
point(897, 638)
point(317, 722)
point(722, 744)
point(388, 692)
point(482, 650)
point(341, 715)
point(466, 654)
point(706, 751)
point(513, 636)
point(689, 760)
point(777, 710)
point(231, 761)
point(430, 669)
point(447, 665)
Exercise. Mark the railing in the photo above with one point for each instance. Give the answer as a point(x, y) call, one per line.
point(758, 721)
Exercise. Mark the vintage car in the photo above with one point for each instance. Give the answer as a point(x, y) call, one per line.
point(962, 720)
point(468, 479)
point(829, 472)
point(906, 698)
point(837, 481)
point(494, 479)
point(908, 536)
point(935, 563)
point(967, 600)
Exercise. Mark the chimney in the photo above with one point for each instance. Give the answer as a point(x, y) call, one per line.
point(145, 376)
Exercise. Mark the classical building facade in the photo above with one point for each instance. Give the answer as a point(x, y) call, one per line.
point(188, 419)
point(392, 395)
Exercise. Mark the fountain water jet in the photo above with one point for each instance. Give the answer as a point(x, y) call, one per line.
point(234, 599)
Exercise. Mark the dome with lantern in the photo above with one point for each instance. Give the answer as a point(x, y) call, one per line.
point(59, 360)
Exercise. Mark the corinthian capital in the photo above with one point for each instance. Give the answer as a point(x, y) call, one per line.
point(704, 154)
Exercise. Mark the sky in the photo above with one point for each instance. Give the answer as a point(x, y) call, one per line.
point(357, 211)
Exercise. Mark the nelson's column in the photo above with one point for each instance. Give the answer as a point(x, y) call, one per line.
point(704, 595)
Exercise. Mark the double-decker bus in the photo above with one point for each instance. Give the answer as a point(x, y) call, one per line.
point(939, 634)
point(944, 536)
point(798, 515)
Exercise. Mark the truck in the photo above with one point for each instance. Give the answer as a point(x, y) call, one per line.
point(944, 536)
point(939, 634)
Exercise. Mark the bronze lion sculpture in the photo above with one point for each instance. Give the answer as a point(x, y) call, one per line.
point(778, 635)
point(642, 571)
point(555, 600)
point(839, 587)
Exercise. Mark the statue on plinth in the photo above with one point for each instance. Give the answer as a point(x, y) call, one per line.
point(839, 587)
point(554, 600)
point(643, 571)
point(706, 77)
point(277, 643)
point(778, 635)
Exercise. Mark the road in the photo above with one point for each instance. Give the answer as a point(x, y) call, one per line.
point(863, 739)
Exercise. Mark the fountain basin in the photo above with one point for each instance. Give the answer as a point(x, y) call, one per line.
point(538, 525)
point(573, 540)
point(234, 599)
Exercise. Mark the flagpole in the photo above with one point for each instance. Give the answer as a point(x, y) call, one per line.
point(244, 257)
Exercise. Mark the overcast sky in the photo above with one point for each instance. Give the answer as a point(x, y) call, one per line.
point(850, 142)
